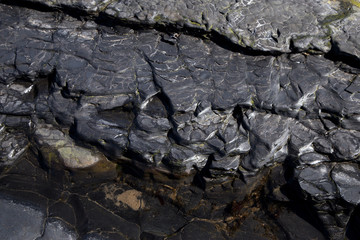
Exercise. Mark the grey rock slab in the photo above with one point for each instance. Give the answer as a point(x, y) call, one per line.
point(57, 230)
point(346, 177)
point(254, 228)
point(226, 163)
point(329, 101)
point(323, 145)
point(78, 89)
point(103, 220)
point(247, 23)
point(15, 100)
point(302, 138)
point(335, 223)
point(346, 33)
point(104, 236)
point(346, 144)
point(151, 147)
point(184, 158)
point(317, 181)
point(104, 82)
point(298, 228)
point(201, 87)
point(269, 135)
point(312, 158)
point(12, 145)
point(161, 220)
point(150, 124)
point(200, 230)
point(20, 221)
point(62, 109)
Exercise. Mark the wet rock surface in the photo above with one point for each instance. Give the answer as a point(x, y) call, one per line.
point(179, 120)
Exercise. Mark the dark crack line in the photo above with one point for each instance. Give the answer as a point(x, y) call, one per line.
point(165, 101)
point(105, 19)
point(336, 55)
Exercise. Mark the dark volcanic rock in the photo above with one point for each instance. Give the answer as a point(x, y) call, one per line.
point(20, 221)
point(179, 120)
point(282, 25)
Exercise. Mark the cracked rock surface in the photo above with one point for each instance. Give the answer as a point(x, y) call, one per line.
point(179, 119)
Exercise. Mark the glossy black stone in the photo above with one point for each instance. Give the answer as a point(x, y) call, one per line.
point(179, 120)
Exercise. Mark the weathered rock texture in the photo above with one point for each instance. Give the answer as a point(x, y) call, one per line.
point(180, 119)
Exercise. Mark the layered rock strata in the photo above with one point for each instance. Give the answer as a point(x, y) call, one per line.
point(131, 120)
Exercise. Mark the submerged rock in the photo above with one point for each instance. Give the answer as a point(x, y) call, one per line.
point(19, 221)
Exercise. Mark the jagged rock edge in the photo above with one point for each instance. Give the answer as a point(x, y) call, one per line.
point(102, 18)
